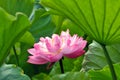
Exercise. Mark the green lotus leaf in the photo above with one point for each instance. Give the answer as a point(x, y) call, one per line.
point(41, 24)
point(95, 58)
point(71, 76)
point(27, 38)
point(13, 6)
point(12, 72)
point(11, 30)
point(100, 19)
point(104, 74)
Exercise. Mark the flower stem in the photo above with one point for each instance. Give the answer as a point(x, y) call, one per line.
point(15, 53)
point(61, 66)
point(109, 61)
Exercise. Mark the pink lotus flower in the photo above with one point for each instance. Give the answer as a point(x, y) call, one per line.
point(53, 49)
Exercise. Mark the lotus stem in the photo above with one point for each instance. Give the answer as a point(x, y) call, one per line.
point(16, 56)
point(61, 66)
point(109, 61)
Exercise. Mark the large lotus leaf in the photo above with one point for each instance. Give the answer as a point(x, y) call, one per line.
point(98, 18)
point(41, 76)
point(13, 6)
point(71, 76)
point(105, 73)
point(41, 24)
point(27, 38)
point(11, 29)
point(95, 58)
point(67, 24)
point(12, 72)
point(65, 76)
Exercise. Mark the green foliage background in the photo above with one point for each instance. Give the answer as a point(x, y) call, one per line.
point(23, 22)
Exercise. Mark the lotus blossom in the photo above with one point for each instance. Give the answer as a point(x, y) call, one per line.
point(53, 49)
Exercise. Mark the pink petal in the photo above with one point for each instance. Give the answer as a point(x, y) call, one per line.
point(32, 51)
point(36, 46)
point(82, 44)
point(37, 60)
point(42, 39)
point(65, 34)
point(70, 49)
point(75, 54)
point(56, 57)
point(56, 42)
point(48, 43)
point(75, 48)
point(51, 57)
point(53, 45)
point(74, 40)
